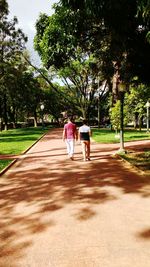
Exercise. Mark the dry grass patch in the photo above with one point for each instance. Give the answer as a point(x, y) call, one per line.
point(141, 160)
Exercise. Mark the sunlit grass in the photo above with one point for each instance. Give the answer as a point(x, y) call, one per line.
point(15, 141)
point(108, 136)
point(4, 163)
point(139, 159)
point(18, 140)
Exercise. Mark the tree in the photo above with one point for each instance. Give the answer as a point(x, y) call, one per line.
point(135, 102)
point(115, 115)
point(144, 12)
point(122, 26)
point(54, 103)
point(75, 64)
point(12, 43)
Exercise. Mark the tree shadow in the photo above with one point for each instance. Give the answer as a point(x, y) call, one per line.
point(42, 185)
point(144, 234)
point(137, 146)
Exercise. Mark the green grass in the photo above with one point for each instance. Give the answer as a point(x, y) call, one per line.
point(15, 141)
point(4, 163)
point(108, 136)
point(139, 159)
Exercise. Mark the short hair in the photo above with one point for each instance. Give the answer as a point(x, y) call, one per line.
point(84, 121)
point(70, 117)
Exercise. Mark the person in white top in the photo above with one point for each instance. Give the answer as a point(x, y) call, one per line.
point(84, 137)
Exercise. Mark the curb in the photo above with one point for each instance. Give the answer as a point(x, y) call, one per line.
point(136, 169)
point(25, 151)
point(7, 167)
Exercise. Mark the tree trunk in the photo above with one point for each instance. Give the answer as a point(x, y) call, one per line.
point(115, 82)
point(35, 119)
point(121, 122)
point(5, 114)
point(135, 120)
point(84, 113)
point(14, 125)
point(99, 112)
point(140, 124)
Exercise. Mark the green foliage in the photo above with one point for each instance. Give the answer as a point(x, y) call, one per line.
point(144, 12)
point(3, 8)
point(54, 40)
point(82, 41)
point(54, 103)
point(114, 28)
point(134, 105)
point(115, 116)
point(12, 45)
point(136, 100)
point(60, 45)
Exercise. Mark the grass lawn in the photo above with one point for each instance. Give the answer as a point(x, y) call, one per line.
point(108, 136)
point(140, 160)
point(4, 163)
point(15, 141)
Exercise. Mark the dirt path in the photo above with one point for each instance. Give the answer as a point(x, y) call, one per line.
point(60, 213)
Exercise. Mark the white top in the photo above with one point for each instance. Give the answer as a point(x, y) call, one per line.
point(84, 133)
point(84, 129)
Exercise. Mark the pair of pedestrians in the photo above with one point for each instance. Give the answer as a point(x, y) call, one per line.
point(70, 134)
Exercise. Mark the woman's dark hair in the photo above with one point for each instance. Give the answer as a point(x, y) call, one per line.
point(84, 121)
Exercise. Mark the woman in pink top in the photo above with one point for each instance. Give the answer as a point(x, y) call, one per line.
point(69, 136)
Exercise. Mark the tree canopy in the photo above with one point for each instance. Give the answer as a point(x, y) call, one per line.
point(111, 33)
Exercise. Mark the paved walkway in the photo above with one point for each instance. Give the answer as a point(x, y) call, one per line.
point(60, 213)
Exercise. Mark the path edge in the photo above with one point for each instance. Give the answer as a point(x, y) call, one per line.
point(23, 153)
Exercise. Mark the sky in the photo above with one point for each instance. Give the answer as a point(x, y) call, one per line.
point(27, 12)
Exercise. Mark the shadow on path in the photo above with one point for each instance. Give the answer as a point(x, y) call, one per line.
point(41, 185)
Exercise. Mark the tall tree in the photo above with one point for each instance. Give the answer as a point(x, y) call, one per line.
point(144, 12)
point(124, 30)
point(59, 47)
point(12, 43)
point(123, 24)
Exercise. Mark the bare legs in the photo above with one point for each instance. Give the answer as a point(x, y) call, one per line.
point(86, 150)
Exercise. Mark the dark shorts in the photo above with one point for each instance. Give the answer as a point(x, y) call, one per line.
point(84, 136)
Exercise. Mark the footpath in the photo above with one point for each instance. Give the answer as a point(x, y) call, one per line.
point(55, 212)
